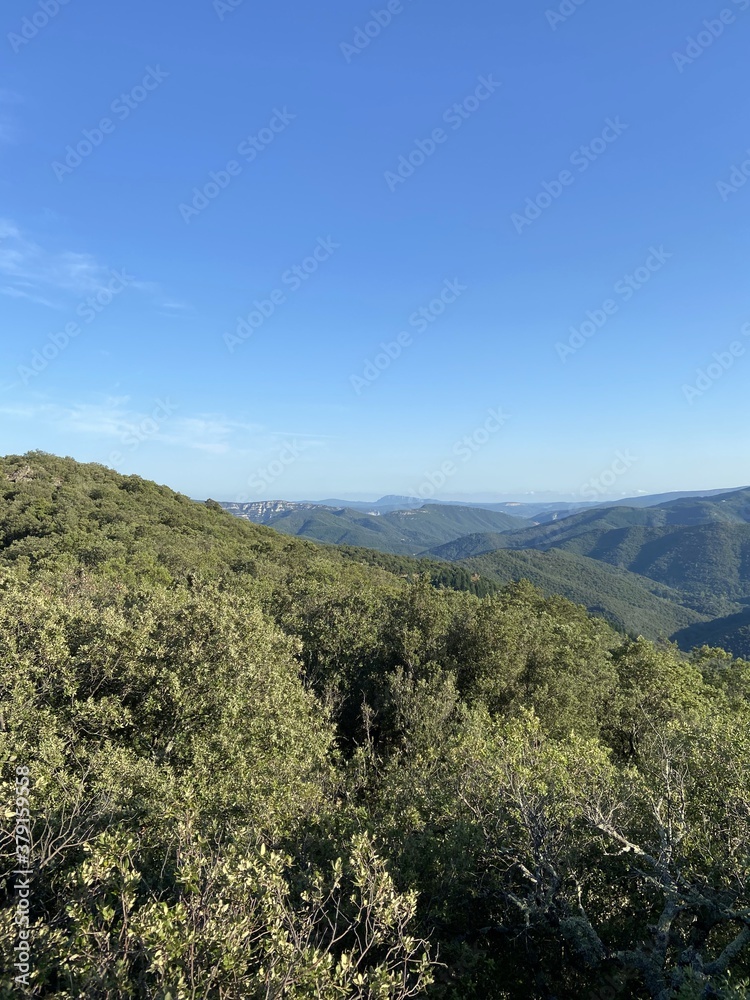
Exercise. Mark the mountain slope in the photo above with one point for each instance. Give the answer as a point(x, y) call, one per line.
point(629, 602)
point(56, 513)
point(402, 532)
point(731, 508)
point(706, 561)
point(469, 546)
point(658, 499)
point(731, 633)
point(698, 546)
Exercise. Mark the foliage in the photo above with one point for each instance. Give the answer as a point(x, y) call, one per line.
point(264, 768)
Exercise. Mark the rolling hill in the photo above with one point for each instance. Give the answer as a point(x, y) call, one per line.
point(629, 602)
point(402, 532)
point(656, 499)
point(706, 562)
point(235, 735)
point(469, 546)
point(731, 633)
point(726, 508)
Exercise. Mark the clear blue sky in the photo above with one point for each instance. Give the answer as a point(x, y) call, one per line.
point(111, 116)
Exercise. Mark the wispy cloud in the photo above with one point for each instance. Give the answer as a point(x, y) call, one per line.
point(114, 417)
point(50, 277)
point(109, 418)
point(30, 271)
point(170, 307)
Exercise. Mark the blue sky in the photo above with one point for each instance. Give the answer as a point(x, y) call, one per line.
point(467, 185)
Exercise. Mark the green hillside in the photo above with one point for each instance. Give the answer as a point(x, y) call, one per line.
point(56, 514)
point(584, 523)
point(728, 508)
point(469, 546)
point(244, 765)
point(731, 633)
point(630, 603)
point(451, 576)
point(659, 499)
point(732, 507)
point(709, 562)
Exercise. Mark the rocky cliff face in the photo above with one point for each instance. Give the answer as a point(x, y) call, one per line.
point(265, 511)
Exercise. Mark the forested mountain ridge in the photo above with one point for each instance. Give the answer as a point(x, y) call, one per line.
point(731, 632)
point(709, 563)
point(729, 508)
point(631, 603)
point(403, 532)
point(657, 499)
point(708, 560)
point(696, 549)
point(443, 523)
point(259, 767)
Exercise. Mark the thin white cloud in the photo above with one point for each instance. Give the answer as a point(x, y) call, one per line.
point(174, 310)
point(26, 292)
point(114, 418)
point(49, 277)
point(30, 270)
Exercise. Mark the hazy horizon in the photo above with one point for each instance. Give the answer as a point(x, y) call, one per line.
point(532, 496)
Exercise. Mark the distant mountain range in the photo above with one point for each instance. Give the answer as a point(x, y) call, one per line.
point(388, 504)
point(666, 566)
point(660, 498)
point(408, 531)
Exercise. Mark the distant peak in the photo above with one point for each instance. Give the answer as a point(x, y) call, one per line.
point(397, 499)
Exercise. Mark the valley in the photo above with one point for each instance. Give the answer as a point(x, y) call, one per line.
point(670, 566)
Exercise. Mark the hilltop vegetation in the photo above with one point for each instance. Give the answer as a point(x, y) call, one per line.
point(263, 768)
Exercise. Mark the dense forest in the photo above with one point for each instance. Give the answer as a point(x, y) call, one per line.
point(259, 767)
